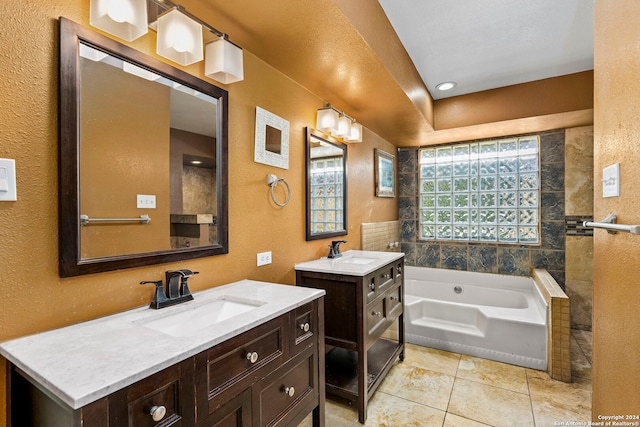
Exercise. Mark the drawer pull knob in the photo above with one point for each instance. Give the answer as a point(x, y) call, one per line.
point(158, 412)
point(372, 287)
point(376, 313)
point(387, 276)
point(393, 298)
point(305, 326)
point(252, 357)
point(289, 391)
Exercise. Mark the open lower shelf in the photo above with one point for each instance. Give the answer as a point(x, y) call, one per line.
point(341, 371)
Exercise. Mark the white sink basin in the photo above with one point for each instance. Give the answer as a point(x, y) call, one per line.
point(357, 260)
point(206, 314)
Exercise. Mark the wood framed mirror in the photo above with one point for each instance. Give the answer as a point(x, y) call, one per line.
point(326, 186)
point(143, 158)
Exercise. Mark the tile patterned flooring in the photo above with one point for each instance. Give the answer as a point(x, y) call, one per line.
point(437, 388)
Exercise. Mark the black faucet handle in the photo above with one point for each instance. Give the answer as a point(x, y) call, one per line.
point(159, 296)
point(184, 288)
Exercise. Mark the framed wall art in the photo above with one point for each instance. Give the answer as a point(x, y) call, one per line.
point(272, 139)
point(385, 174)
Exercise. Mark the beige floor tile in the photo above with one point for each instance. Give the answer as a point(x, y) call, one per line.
point(490, 405)
point(432, 359)
point(456, 421)
point(558, 401)
point(419, 385)
point(492, 373)
point(390, 411)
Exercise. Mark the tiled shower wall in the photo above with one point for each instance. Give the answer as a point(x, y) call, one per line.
point(579, 192)
point(491, 257)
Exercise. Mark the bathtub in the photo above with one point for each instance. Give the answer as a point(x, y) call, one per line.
point(492, 316)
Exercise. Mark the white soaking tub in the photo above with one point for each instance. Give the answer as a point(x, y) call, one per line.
point(493, 316)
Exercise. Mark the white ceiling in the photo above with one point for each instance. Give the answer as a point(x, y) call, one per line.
point(486, 44)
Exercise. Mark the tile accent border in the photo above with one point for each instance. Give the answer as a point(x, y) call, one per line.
point(558, 326)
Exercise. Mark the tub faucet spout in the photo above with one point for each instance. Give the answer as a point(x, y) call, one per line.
point(334, 249)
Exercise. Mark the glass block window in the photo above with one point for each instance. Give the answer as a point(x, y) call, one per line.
point(327, 194)
point(484, 191)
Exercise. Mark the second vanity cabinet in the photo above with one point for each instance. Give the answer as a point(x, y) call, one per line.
point(269, 375)
point(362, 303)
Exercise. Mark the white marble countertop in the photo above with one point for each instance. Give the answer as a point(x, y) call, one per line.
point(84, 362)
point(351, 263)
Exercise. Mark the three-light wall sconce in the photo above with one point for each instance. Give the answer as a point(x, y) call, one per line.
point(179, 34)
point(338, 124)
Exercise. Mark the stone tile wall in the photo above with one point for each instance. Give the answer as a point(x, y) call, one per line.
point(579, 191)
point(491, 257)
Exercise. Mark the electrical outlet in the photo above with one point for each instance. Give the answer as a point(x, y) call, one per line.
point(264, 258)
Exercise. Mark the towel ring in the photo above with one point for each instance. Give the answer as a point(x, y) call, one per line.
point(273, 181)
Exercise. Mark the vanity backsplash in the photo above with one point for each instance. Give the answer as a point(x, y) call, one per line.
point(381, 236)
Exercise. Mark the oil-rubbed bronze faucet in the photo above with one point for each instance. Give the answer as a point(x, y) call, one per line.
point(334, 249)
point(177, 289)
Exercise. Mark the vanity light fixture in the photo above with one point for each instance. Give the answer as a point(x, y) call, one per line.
point(126, 19)
point(180, 34)
point(224, 61)
point(179, 38)
point(327, 119)
point(355, 133)
point(338, 124)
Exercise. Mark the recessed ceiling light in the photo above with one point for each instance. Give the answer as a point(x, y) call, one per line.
point(196, 162)
point(446, 85)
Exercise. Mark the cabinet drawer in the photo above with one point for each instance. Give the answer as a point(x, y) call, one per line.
point(379, 281)
point(165, 393)
point(276, 397)
point(394, 302)
point(376, 318)
point(228, 368)
point(304, 328)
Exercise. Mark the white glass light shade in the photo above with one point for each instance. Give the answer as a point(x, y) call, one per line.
point(343, 128)
point(355, 133)
point(179, 38)
point(223, 61)
point(327, 120)
point(126, 19)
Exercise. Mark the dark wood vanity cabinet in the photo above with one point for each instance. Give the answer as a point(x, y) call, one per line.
point(270, 375)
point(361, 309)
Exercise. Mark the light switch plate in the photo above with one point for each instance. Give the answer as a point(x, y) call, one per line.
point(8, 191)
point(611, 181)
point(146, 201)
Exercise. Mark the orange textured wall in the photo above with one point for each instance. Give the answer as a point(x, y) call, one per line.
point(549, 96)
point(616, 287)
point(34, 297)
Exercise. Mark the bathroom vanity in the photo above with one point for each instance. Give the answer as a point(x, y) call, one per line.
point(364, 298)
point(244, 354)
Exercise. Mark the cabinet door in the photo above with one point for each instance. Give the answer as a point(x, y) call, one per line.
point(376, 319)
point(278, 397)
point(234, 413)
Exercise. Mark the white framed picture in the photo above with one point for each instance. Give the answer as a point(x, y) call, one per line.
point(272, 139)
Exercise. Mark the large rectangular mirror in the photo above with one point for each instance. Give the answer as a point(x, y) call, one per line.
point(326, 186)
point(143, 158)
